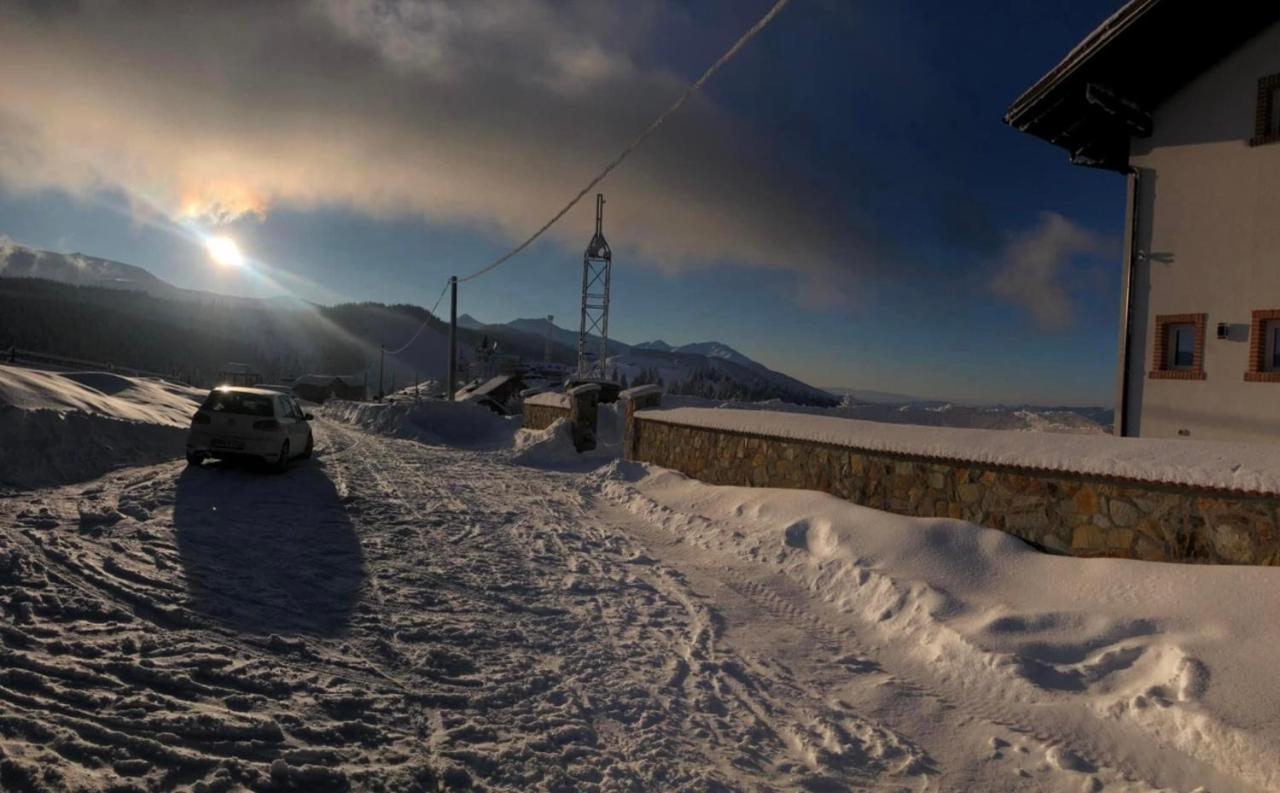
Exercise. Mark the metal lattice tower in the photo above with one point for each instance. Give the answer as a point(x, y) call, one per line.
point(597, 262)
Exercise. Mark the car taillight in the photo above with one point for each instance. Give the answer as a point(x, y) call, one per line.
point(266, 424)
point(200, 418)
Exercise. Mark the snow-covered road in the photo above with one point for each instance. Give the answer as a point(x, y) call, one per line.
point(400, 616)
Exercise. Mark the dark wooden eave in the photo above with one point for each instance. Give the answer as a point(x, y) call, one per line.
point(1102, 94)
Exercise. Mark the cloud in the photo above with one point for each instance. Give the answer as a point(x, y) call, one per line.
point(1031, 272)
point(489, 113)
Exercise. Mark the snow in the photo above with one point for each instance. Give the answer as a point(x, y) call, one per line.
point(59, 427)
point(1252, 468)
point(436, 601)
point(1107, 663)
point(549, 399)
point(102, 393)
point(639, 391)
point(436, 421)
point(552, 448)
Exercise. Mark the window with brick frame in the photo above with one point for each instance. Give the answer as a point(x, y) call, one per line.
point(1266, 120)
point(1264, 347)
point(1177, 351)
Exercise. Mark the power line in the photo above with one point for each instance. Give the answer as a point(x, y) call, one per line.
point(649, 130)
point(424, 324)
point(711, 70)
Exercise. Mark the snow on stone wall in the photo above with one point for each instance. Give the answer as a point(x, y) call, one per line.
point(1086, 514)
point(1239, 467)
point(553, 399)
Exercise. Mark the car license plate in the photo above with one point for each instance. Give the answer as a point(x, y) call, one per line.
point(220, 443)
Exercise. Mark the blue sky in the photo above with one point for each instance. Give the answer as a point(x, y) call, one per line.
point(844, 203)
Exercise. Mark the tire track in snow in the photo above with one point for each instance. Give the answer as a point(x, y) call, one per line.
point(1063, 728)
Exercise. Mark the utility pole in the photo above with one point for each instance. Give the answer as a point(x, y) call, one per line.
point(453, 337)
point(382, 358)
point(550, 328)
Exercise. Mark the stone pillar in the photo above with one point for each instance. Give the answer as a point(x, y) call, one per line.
point(633, 399)
point(583, 402)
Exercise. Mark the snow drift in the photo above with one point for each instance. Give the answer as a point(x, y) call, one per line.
point(63, 427)
point(1167, 655)
point(434, 421)
point(552, 447)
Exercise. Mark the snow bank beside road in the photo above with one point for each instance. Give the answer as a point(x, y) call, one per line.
point(1235, 466)
point(1178, 656)
point(60, 427)
point(435, 421)
point(103, 393)
point(552, 448)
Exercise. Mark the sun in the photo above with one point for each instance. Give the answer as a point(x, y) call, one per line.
point(224, 251)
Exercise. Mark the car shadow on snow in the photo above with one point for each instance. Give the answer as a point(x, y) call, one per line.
point(267, 554)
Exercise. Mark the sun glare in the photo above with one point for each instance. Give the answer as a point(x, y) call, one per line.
point(224, 251)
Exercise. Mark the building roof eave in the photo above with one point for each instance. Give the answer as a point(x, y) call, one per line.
point(1102, 94)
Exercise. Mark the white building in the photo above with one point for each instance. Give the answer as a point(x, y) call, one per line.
point(1184, 99)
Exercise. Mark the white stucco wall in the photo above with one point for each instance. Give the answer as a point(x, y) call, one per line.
point(1210, 232)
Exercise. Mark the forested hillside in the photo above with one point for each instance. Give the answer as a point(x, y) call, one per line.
point(194, 338)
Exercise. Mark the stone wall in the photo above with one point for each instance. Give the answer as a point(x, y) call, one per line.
point(1067, 513)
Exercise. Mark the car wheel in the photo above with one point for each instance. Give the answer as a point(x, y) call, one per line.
point(282, 462)
point(306, 453)
point(194, 458)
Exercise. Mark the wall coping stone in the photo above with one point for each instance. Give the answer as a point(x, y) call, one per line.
point(705, 419)
point(551, 399)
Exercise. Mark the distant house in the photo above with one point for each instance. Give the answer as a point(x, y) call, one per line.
point(321, 387)
point(1184, 99)
point(239, 374)
point(494, 393)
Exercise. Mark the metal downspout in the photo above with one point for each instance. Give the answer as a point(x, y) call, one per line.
point(1126, 319)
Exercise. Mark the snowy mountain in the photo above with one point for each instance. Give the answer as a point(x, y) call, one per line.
point(18, 261)
point(710, 369)
point(711, 349)
point(714, 377)
point(563, 336)
point(301, 342)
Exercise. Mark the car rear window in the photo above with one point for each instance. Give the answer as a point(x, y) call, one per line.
point(239, 403)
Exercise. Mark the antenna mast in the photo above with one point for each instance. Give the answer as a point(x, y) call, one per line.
point(597, 263)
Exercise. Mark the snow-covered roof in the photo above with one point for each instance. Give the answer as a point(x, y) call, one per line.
point(1240, 467)
point(1103, 92)
point(491, 385)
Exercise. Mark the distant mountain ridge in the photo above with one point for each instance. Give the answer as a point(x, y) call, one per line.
point(78, 269)
point(711, 349)
point(19, 261)
point(300, 343)
point(709, 368)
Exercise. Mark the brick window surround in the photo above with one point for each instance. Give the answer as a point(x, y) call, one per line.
point(1160, 369)
point(1263, 131)
point(1258, 347)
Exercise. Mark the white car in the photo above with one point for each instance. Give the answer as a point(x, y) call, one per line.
point(239, 422)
